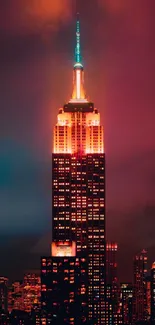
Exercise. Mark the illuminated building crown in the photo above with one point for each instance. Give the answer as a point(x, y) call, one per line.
point(78, 129)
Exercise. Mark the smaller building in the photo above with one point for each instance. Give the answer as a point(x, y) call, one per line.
point(111, 283)
point(111, 262)
point(139, 289)
point(3, 295)
point(25, 296)
point(148, 296)
point(31, 292)
point(15, 297)
point(126, 303)
point(153, 293)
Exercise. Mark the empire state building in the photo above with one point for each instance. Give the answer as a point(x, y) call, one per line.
point(73, 277)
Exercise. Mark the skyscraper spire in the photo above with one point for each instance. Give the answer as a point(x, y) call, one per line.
point(78, 94)
point(78, 58)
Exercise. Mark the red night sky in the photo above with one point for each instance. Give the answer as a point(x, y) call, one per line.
point(36, 58)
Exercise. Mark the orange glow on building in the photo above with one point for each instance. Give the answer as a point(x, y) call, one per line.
point(62, 249)
point(78, 94)
point(111, 247)
point(148, 296)
point(78, 131)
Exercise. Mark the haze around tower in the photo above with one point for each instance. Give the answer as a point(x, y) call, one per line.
point(118, 50)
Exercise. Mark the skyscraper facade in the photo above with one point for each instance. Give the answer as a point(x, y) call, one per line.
point(78, 203)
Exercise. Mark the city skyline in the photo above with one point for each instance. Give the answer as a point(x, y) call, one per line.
point(22, 156)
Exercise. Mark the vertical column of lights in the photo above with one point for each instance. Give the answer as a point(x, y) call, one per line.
point(77, 50)
point(61, 196)
point(96, 227)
